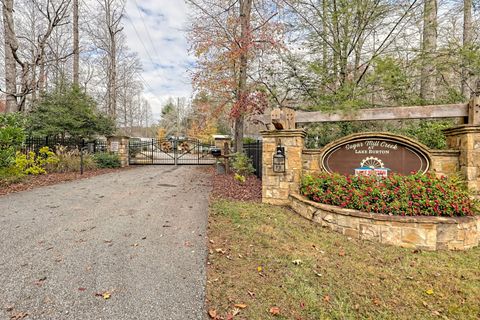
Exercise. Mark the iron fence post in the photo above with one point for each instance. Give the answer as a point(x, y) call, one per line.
point(81, 161)
point(152, 152)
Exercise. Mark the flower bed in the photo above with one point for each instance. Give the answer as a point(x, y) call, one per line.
point(413, 195)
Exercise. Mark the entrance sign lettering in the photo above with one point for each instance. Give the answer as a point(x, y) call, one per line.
point(375, 153)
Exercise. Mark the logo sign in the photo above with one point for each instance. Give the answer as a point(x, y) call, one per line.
point(375, 153)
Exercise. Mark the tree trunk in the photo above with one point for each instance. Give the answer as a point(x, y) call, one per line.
point(467, 41)
point(10, 64)
point(429, 46)
point(324, 30)
point(113, 78)
point(245, 12)
point(42, 73)
point(76, 46)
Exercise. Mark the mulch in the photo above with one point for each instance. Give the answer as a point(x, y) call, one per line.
point(226, 187)
point(51, 179)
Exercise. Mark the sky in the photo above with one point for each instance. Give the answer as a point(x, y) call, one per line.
point(155, 29)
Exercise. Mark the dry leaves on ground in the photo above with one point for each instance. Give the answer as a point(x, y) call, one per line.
point(50, 179)
point(226, 187)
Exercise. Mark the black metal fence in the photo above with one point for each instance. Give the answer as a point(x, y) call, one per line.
point(254, 152)
point(35, 144)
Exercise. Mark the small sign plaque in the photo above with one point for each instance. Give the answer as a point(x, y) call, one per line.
point(114, 146)
point(378, 154)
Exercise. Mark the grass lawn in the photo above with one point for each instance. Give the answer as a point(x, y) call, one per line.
point(263, 257)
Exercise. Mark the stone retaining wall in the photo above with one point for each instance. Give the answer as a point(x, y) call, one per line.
point(426, 233)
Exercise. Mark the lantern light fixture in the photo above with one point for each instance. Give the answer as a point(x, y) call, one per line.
point(279, 159)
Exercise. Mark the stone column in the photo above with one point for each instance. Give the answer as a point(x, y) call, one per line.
point(119, 145)
point(466, 139)
point(277, 186)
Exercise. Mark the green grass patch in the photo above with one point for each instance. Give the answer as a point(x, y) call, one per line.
point(251, 261)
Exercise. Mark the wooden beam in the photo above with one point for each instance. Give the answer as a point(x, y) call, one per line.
point(392, 113)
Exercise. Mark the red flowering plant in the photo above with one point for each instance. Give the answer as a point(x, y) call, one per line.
point(413, 195)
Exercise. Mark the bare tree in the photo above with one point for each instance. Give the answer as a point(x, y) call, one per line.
point(76, 44)
point(11, 46)
point(467, 42)
point(113, 13)
point(245, 14)
point(429, 46)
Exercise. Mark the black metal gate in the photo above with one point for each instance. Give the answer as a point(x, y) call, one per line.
point(169, 151)
point(254, 152)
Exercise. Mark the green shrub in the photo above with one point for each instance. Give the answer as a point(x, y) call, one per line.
point(69, 161)
point(242, 164)
point(68, 111)
point(416, 194)
point(430, 133)
point(12, 135)
point(35, 164)
point(247, 140)
point(107, 160)
point(10, 175)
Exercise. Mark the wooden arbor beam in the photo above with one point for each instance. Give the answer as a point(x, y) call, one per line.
point(460, 110)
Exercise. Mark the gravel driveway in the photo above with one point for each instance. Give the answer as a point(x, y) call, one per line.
point(138, 235)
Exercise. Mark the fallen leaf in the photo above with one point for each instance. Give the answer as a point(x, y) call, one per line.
point(40, 281)
point(326, 298)
point(212, 313)
point(18, 315)
point(105, 295)
point(259, 268)
point(9, 307)
point(376, 301)
point(82, 289)
point(240, 305)
point(341, 253)
point(429, 291)
point(275, 311)
point(235, 311)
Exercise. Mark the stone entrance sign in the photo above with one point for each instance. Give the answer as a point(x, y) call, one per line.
point(114, 146)
point(375, 153)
